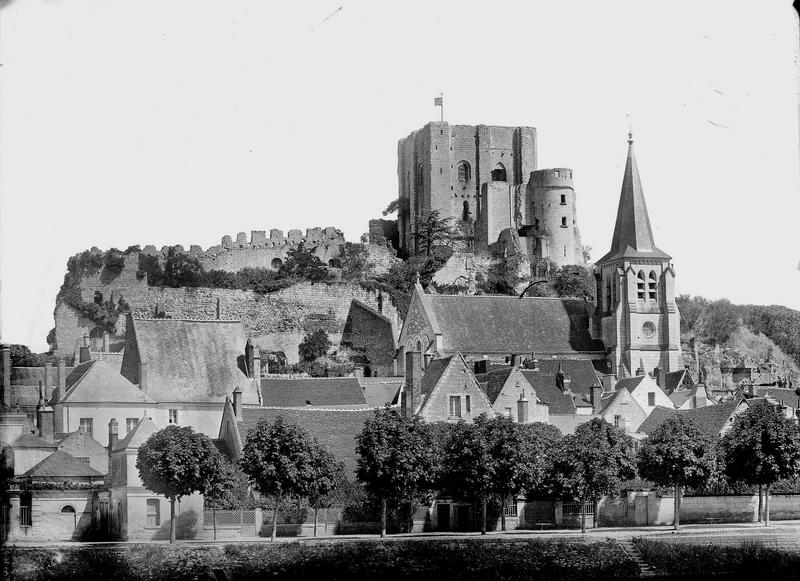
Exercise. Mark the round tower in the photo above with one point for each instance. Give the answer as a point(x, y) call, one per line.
point(555, 222)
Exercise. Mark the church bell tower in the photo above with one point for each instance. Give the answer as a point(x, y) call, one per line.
point(636, 314)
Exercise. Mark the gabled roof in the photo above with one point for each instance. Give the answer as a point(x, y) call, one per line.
point(26, 396)
point(188, 361)
point(711, 419)
point(675, 379)
point(143, 429)
point(780, 394)
point(335, 429)
point(378, 391)
point(76, 373)
point(582, 372)
point(633, 236)
point(512, 325)
point(32, 441)
point(100, 381)
point(608, 398)
point(315, 391)
point(433, 373)
point(544, 384)
point(63, 466)
point(630, 383)
point(678, 398)
point(492, 383)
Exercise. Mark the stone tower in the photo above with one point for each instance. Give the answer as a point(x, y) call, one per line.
point(445, 167)
point(636, 315)
point(555, 222)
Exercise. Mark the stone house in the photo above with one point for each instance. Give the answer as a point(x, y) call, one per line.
point(510, 392)
point(645, 392)
point(371, 333)
point(692, 397)
point(620, 409)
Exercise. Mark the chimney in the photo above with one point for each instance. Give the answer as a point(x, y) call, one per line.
point(480, 366)
point(113, 435)
point(609, 383)
point(48, 379)
point(143, 376)
point(428, 359)
point(412, 394)
point(61, 376)
point(535, 364)
point(106, 342)
point(218, 309)
point(44, 420)
point(256, 363)
point(640, 370)
point(358, 372)
point(86, 340)
point(515, 360)
point(6, 386)
point(84, 354)
point(657, 376)
point(248, 357)
point(522, 409)
point(595, 397)
point(237, 403)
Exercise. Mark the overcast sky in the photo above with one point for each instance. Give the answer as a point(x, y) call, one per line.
point(149, 122)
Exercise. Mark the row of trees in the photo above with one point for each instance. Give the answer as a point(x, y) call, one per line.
point(403, 462)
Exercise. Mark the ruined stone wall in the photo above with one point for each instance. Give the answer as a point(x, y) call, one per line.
point(274, 321)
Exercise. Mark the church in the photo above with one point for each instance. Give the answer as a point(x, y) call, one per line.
point(633, 329)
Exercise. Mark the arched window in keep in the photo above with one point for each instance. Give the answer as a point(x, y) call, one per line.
point(499, 173)
point(464, 172)
point(276, 263)
point(652, 286)
point(67, 509)
point(640, 286)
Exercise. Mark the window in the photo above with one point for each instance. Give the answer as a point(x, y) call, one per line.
point(499, 173)
point(25, 509)
point(83, 459)
point(464, 172)
point(173, 416)
point(465, 213)
point(617, 421)
point(507, 412)
point(276, 263)
point(563, 199)
point(563, 221)
point(468, 404)
point(640, 285)
point(130, 423)
point(86, 425)
point(68, 509)
point(153, 513)
point(565, 251)
point(651, 398)
point(555, 173)
point(510, 509)
point(455, 406)
point(652, 286)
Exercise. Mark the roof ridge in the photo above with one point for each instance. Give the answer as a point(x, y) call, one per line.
point(570, 298)
point(365, 408)
point(191, 320)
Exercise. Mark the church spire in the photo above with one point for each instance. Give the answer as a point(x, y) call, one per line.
point(633, 236)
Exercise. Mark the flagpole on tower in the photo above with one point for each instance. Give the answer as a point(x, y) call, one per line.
point(439, 102)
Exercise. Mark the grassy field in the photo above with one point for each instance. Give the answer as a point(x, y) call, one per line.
point(746, 560)
point(427, 559)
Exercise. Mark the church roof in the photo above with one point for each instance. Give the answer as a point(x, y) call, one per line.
point(316, 391)
point(633, 235)
point(504, 324)
point(187, 360)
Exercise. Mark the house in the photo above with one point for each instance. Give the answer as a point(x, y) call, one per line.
point(312, 391)
point(188, 367)
point(645, 391)
point(85, 448)
point(673, 380)
point(136, 513)
point(714, 420)
point(94, 392)
point(511, 394)
point(372, 333)
point(497, 327)
point(620, 409)
point(445, 390)
point(692, 397)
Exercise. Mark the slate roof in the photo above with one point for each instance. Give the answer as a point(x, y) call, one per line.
point(188, 361)
point(315, 391)
point(433, 373)
point(674, 379)
point(492, 383)
point(781, 394)
point(609, 397)
point(711, 419)
point(138, 435)
point(31, 376)
point(77, 372)
point(100, 381)
point(678, 398)
point(581, 371)
point(510, 325)
point(630, 383)
point(32, 441)
point(63, 466)
point(336, 429)
point(27, 396)
point(547, 392)
point(378, 391)
point(633, 236)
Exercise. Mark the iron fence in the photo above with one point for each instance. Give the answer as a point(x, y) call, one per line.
point(574, 509)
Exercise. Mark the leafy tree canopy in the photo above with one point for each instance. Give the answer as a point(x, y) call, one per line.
point(314, 345)
point(678, 453)
point(302, 263)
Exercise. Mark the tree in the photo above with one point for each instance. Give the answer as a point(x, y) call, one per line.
point(397, 459)
point(691, 308)
point(303, 263)
point(328, 476)
point(432, 229)
point(182, 270)
point(314, 345)
point(226, 489)
point(678, 454)
point(393, 206)
point(573, 280)
point(21, 356)
point(279, 460)
point(176, 462)
point(593, 462)
point(762, 448)
point(718, 321)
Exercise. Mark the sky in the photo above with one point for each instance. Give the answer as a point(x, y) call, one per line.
point(148, 122)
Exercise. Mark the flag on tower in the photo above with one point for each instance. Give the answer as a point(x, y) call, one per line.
point(437, 101)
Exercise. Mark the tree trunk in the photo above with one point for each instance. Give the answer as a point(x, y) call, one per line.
point(676, 515)
point(596, 504)
point(172, 521)
point(383, 517)
point(316, 520)
point(583, 516)
point(214, 516)
point(411, 515)
point(760, 501)
point(766, 505)
point(483, 514)
point(275, 518)
point(503, 514)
